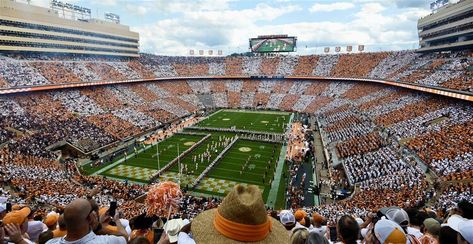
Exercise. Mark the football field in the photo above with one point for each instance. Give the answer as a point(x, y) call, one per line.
point(246, 160)
point(270, 122)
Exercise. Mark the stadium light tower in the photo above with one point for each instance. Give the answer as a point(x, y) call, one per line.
point(178, 165)
point(157, 154)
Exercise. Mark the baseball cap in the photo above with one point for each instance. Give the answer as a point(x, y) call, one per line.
point(454, 221)
point(286, 217)
point(359, 220)
point(432, 226)
point(388, 231)
point(172, 228)
point(398, 215)
point(317, 218)
point(299, 215)
point(465, 229)
point(51, 219)
point(17, 216)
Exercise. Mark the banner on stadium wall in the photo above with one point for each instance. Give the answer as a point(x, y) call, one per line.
point(211, 52)
point(201, 52)
point(220, 52)
point(326, 50)
point(349, 48)
point(191, 52)
point(361, 48)
point(337, 49)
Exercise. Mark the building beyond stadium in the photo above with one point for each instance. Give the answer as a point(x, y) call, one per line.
point(449, 28)
point(27, 28)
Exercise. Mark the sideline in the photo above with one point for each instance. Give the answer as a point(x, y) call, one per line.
point(273, 192)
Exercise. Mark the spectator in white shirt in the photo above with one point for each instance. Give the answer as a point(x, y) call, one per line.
point(35, 227)
point(79, 216)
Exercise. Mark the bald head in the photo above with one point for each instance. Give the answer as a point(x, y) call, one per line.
point(75, 215)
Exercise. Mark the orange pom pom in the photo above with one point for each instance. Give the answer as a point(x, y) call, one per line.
point(163, 199)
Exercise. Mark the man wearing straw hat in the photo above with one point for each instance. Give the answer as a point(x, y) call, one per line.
point(241, 217)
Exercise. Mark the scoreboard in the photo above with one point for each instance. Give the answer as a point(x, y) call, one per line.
point(273, 43)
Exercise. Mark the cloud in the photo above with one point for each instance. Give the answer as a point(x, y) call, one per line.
point(137, 9)
point(175, 6)
point(47, 3)
point(400, 4)
point(209, 29)
point(329, 7)
point(106, 2)
point(379, 24)
point(174, 27)
point(373, 25)
point(410, 3)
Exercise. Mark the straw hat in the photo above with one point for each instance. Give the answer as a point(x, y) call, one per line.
point(242, 211)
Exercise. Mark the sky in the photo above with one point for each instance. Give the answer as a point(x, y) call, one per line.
point(173, 27)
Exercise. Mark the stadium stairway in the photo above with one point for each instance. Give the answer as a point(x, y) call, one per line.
point(321, 166)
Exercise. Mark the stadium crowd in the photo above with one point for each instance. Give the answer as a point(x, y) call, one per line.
point(379, 134)
point(451, 70)
point(85, 219)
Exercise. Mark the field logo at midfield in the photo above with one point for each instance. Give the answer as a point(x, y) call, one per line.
point(264, 122)
point(244, 149)
point(225, 119)
point(189, 143)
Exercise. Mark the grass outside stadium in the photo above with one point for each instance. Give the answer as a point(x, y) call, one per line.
point(248, 160)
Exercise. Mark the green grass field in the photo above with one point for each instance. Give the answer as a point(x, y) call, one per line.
point(271, 122)
point(246, 162)
point(142, 166)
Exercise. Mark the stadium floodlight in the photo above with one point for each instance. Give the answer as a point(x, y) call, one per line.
point(434, 6)
point(68, 10)
point(112, 17)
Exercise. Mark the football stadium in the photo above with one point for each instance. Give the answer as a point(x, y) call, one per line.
point(117, 132)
